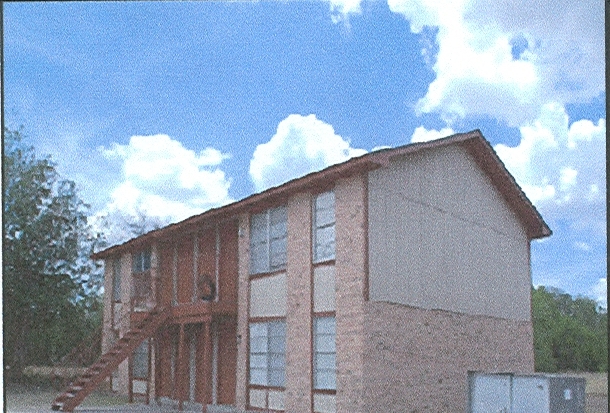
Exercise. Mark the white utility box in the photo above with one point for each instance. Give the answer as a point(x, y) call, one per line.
point(536, 393)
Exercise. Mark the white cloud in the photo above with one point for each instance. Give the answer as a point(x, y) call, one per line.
point(302, 144)
point(342, 9)
point(162, 178)
point(476, 73)
point(567, 178)
point(561, 167)
point(582, 246)
point(422, 134)
point(600, 292)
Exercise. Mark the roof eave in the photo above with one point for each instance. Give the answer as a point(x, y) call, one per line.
point(473, 141)
point(318, 179)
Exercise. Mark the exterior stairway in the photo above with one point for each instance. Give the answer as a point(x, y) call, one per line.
point(96, 373)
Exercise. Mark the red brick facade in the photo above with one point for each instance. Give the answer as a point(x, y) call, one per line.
point(417, 360)
point(389, 357)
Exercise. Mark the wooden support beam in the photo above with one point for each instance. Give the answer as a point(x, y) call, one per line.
point(207, 361)
point(181, 369)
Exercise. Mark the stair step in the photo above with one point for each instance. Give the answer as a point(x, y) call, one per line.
point(83, 386)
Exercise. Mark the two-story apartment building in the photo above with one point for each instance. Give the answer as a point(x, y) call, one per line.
point(372, 285)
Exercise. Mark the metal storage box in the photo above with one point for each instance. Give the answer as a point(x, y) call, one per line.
point(510, 393)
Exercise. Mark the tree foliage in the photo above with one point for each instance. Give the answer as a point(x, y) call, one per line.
point(119, 226)
point(569, 334)
point(50, 285)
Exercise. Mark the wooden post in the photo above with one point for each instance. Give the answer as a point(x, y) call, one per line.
point(130, 378)
point(151, 343)
point(207, 361)
point(180, 373)
point(156, 376)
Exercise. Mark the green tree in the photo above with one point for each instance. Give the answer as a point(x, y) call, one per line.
point(569, 334)
point(545, 314)
point(50, 286)
point(119, 226)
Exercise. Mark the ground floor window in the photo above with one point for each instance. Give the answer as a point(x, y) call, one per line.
point(268, 353)
point(140, 362)
point(325, 353)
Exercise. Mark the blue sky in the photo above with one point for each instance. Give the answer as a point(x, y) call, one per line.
point(171, 108)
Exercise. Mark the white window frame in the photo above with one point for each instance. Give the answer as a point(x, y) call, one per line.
point(323, 233)
point(267, 353)
point(324, 353)
point(268, 240)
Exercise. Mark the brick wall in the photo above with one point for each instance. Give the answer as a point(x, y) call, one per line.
point(417, 360)
point(107, 339)
point(298, 317)
point(243, 292)
point(350, 273)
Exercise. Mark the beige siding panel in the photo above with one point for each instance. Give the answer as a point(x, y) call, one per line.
point(258, 398)
point(324, 289)
point(442, 237)
point(276, 400)
point(139, 386)
point(268, 296)
point(324, 403)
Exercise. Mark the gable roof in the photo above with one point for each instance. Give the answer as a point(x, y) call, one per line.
point(474, 143)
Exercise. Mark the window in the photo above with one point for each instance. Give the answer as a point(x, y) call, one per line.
point(268, 353)
point(324, 363)
point(140, 361)
point(142, 288)
point(324, 227)
point(268, 232)
point(141, 261)
point(116, 280)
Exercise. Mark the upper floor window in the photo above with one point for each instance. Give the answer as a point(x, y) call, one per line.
point(116, 279)
point(141, 261)
point(324, 227)
point(268, 232)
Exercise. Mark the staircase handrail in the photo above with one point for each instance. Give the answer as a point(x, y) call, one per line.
point(103, 367)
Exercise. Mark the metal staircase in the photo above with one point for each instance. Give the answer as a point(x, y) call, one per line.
point(96, 373)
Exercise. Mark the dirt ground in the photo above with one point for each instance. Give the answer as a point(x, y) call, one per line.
point(596, 391)
point(30, 399)
point(38, 398)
